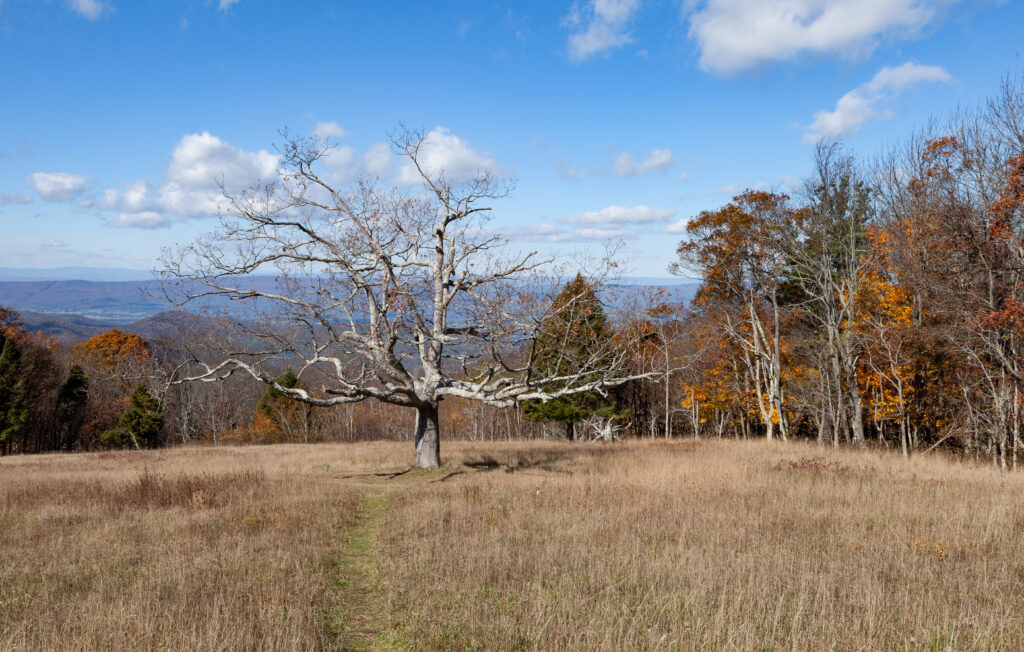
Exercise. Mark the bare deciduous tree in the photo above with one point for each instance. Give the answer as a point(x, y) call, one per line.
point(399, 295)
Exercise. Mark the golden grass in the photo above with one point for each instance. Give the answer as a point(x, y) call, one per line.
point(177, 549)
point(640, 545)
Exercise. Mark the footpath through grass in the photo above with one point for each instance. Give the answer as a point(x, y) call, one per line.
point(359, 620)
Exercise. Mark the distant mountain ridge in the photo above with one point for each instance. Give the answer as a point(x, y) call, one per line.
point(78, 309)
point(73, 328)
point(74, 274)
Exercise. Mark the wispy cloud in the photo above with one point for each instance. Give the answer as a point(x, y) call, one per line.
point(866, 102)
point(623, 215)
point(609, 223)
point(90, 9)
point(657, 159)
point(14, 198)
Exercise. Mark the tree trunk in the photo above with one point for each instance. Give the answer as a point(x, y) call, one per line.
point(428, 440)
point(856, 407)
point(570, 431)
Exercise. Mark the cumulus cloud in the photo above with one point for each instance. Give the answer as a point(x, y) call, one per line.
point(657, 159)
point(133, 198)
point(204, 161)
point(623, 215)
point(866, 102)
point(328, 130)
point(343, 164)
point(90, 9)
point(14, 198)
point(200, 164)
point(57, 186)
point(600, 26)
point(735, 35)
point(442, 152)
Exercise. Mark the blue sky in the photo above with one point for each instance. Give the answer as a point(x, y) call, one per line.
point(617, 118)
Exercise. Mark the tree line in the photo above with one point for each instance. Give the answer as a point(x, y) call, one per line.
point(883, 302)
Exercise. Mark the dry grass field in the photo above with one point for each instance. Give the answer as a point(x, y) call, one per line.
point(645, 545)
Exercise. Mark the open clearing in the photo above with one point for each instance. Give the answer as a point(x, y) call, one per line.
point(637, 545)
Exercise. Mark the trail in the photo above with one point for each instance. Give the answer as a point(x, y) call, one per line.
point(359, 622)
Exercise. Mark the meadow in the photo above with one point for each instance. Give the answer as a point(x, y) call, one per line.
point(651, 545)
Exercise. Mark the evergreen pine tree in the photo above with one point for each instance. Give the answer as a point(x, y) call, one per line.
point(139, 425)
point(72, 401)
point(576, 328)
point(13, 413)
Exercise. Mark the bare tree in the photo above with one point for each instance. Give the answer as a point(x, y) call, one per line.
point(829, 263)
point(402, 295)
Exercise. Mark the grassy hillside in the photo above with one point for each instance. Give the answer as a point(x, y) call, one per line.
point(650, 545)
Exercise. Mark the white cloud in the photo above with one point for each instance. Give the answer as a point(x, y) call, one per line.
point(602, 233)
point(377, 160)
point(57, 186)
point(343, 164)
point(554, 234)
point(203, 160)
point(340, 164)
point(622, 215)
point(600, 26)
point(862, 103)
point(133, 198)
point(143, 220)
point(54, 244)
point(191, 186)
point(442, 152)
point(657, 159)
point(91, 9)
point(14, 198)
point(735, 35)
point(677, 227)
point(609, 223)
point(224, 5)
point(328, 130)
point(200, 163)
